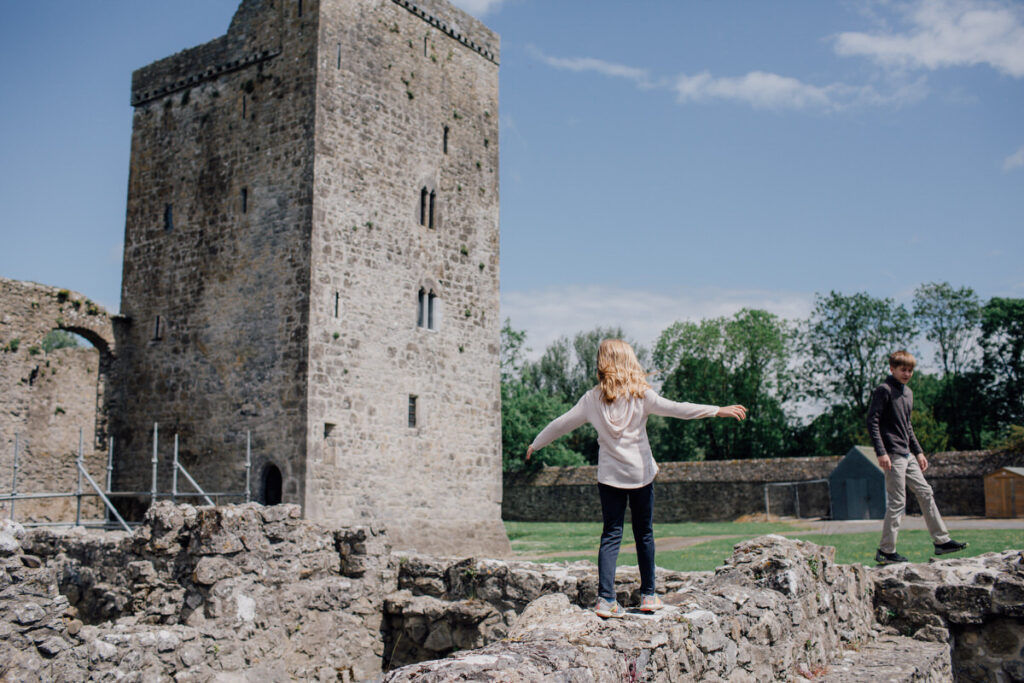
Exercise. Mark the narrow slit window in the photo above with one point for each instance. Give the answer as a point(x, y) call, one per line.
point(431, 311)
point(244, 99)
point(421, 309)
point(339, 55)
point(337, 304)
point(156, 329)
point(412, 410)
point(245, 200)
point(446, 129)
point(424, 46)
point(168, 218)
point(430, 218)
point(299, 3)
point(423, 206)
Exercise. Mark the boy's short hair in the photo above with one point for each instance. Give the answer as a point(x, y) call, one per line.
point(902, 359)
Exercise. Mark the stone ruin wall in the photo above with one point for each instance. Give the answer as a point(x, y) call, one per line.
point(728, 489)
point(48, 397)
point(216, 248)
point(211, 593)
point(392, 78)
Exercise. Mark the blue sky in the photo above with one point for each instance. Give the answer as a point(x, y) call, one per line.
point(659, 160)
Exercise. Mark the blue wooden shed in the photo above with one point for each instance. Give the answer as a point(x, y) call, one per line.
point(857, 486)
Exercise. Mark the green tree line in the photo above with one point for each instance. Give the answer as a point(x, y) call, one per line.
point(806, 383)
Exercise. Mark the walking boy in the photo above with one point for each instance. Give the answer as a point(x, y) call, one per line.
point(901, 458)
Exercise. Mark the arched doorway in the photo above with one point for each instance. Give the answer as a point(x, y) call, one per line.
point(271, 493)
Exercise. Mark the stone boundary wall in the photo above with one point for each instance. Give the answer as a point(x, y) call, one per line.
point(727, 489)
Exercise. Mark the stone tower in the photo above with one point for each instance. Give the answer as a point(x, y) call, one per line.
point(311, 255)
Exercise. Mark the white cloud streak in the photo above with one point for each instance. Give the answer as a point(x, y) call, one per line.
point(638, 76)
point(1015, 160)
point(758, 89)
point(551, 313)
point(947, 33)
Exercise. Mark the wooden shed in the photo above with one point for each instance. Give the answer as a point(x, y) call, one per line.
point(857, 486)
point(1004, 492)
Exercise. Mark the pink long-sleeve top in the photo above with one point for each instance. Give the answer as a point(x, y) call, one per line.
point(624, 454)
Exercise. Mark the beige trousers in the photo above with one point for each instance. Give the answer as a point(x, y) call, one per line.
point(906, 473)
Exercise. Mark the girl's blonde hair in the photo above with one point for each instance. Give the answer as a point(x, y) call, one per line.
point(619, 372)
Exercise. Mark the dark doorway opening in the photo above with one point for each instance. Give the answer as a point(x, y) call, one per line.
point(271, 485)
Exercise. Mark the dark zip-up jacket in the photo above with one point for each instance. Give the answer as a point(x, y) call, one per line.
point(889, 419)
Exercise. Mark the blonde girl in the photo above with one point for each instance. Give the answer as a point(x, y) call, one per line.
point(618, 408)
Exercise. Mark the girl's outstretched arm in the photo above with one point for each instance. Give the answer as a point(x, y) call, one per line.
point(560, 426)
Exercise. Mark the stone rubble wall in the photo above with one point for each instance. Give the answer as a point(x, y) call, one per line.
point(778, 609)
point(723, 490)
point(444, 605)
point(195, 594)
point(975, 604)
point(255, 593)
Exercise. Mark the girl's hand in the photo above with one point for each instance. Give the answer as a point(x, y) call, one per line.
point(737, 411)
point(529, 452)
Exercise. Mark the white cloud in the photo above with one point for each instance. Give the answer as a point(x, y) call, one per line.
point(763, 90)
point(759, 89)
point(580, 64)
point(478, 8)
point(551, 313)
point(947, 33)
point(1015, 160)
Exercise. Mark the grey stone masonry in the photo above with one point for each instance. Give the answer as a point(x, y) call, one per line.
point(47, 397)
point(312, 257)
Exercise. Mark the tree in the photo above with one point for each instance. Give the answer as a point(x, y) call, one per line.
point(1002, 343)
point(848, 339)
point(525, 410)
point(59, 339)
point(742, 359)
point(949, 319)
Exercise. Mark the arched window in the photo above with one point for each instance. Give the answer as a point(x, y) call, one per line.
point(433, 200)
point(432, 313)
point(445, 140)
point(421, 308)
point(271, 485)
point(423, 206)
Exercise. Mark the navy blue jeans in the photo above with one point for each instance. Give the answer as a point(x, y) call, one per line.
point(613, 510)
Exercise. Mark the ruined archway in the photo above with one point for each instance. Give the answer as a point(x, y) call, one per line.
point(49, 399)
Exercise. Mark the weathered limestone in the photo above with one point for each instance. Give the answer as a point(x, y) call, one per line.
point(257, 593)
point(46, 398)
point(775, 609)
point(975, 604)
point(300, 188)
point(195, 594)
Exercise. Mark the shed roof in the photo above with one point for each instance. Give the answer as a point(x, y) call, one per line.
point(1019, 471)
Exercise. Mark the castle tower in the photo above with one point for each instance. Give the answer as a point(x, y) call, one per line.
point(311, 255)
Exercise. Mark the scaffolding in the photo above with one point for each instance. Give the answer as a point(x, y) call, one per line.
point(210, 498)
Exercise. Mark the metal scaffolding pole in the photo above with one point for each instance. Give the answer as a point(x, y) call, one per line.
point(248, 463)
point(174, 472)
point(152, 490)
point(14, 481)
point(78, 505)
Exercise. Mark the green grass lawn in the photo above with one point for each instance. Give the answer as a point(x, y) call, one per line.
point(540, 540)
